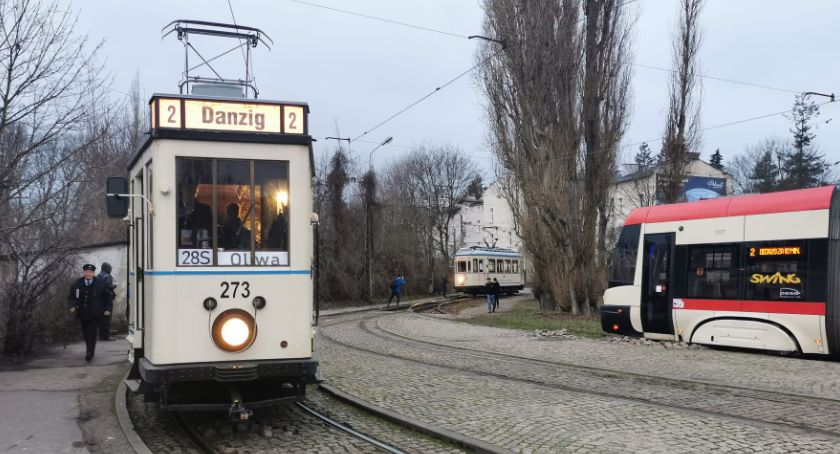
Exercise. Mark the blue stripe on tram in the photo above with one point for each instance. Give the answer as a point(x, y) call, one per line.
point(226, 273)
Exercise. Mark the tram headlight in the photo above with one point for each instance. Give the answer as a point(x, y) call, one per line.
point(459, 280)
point(234, 330)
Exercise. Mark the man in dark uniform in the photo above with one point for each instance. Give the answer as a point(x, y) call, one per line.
point(88, 300)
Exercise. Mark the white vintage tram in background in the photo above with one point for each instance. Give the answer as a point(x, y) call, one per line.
point(221, 253)
point(754, 271)
point(473, 265)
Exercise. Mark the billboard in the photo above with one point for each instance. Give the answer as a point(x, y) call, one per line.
point(699, 188)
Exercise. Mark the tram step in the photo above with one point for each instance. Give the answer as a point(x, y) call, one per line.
point(133, 385)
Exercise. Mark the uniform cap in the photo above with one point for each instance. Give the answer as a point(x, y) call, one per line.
point(88, 266)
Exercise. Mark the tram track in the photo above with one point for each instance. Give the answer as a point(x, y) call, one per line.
point(322, 423)
point(688, 396)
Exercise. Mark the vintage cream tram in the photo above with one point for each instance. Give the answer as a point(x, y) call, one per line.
point(474, 265)
point(221, 253)
point(754, 271)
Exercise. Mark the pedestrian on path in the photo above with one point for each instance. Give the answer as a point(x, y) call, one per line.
point(497, 289)
point(110, 294)
point(443, 287)
point(488, 290)
point(88, 301)
point(396, 288)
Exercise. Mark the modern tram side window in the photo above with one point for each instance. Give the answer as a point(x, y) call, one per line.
point(623, 269)
point(713, 272)
point(777, 270)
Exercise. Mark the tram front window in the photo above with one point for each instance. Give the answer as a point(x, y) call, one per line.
point(195, 218)
point(251, 212)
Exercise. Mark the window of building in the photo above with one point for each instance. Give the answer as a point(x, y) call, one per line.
point(713, 272)
point(777, 270)
point(247, 201)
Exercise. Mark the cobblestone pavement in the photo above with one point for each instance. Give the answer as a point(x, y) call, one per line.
point(751, 370)
point(528, 406)
point(286, 429)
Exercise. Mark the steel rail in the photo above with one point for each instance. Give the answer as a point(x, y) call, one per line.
point(194, 437)
point(349, 430)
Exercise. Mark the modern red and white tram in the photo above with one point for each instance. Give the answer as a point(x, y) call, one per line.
point(754, 271)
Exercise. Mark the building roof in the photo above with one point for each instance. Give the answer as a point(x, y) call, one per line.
point(745, 205)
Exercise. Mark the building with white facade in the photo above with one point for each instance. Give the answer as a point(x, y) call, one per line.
point(489, 221)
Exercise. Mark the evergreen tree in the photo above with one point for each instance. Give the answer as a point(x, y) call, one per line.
point(643, 158)
point(475, 189)
point(803, 166)
point(765, 174)
point(716, 160)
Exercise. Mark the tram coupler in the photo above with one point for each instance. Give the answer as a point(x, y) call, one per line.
point(237, 408)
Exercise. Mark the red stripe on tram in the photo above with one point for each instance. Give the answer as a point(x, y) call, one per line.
point(768, 307)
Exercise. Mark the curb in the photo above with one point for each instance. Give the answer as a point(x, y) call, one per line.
point(124, 419)
point(464, 441)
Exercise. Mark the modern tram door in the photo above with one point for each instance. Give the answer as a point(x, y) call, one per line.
point(656, 283)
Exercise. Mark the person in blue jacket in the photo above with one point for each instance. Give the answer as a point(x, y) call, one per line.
point(396, 287)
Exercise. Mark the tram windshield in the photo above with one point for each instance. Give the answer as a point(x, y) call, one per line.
point(248, 203)
point(623, 270)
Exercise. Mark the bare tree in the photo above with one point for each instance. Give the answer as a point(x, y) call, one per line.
point(53, 114)
point(681, 130)
point(557, 99)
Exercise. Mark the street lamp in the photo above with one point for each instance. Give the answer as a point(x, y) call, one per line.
point(370, 155)
point(500, 42)
point(809, 93)
point(369, 218)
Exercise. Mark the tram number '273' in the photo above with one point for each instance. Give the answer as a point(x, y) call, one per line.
point(229, 289)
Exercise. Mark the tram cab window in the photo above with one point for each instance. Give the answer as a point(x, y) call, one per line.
point(507, 266)
point(480, 265)
point(461, 266)
point(475, 265)
point(777, 270)
point(623, 269)
point(195, 217)
point(234, 211)
point(491, 266)
point(713, 272)
point(248, 202)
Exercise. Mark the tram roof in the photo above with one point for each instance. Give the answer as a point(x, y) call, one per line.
point(745, 205)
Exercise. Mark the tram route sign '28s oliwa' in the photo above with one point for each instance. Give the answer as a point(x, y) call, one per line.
point(755, 271)
point(221, 253)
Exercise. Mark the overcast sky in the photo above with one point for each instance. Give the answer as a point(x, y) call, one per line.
point(355, 72)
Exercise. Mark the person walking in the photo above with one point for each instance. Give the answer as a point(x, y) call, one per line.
point(396, 288)
point(88, 301)
point(497, 289)
point(443, 284)
point(110, 294)
point(488, 290)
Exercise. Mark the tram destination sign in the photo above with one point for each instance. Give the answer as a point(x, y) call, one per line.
point(214, 115)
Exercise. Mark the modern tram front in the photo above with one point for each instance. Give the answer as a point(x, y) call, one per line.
point(221, 253)
point(754, 271)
